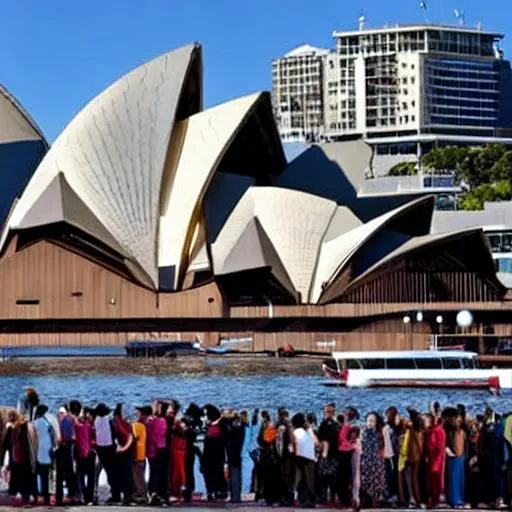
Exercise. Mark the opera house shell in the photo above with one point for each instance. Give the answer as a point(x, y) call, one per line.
point(153, 217)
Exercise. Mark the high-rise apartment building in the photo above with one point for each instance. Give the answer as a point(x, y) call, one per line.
point(297, 93)
point(408, 88)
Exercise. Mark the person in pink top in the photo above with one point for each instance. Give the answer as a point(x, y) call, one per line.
point(85, 456)
point(156, 428)
point(345, 449)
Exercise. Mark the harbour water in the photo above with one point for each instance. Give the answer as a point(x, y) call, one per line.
point(266, 392)
point(298, 393)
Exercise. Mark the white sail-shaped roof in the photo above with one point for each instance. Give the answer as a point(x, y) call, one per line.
point(206, 137)
point(15, 123)
point(337, 251)
point(295, 223)
point(114, 151)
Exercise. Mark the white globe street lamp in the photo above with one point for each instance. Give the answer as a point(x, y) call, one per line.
point(464, 318)
point(407, 320)
point(419, 316)
point(439, 321)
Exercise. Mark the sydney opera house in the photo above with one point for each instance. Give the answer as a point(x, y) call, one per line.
point(153, 217)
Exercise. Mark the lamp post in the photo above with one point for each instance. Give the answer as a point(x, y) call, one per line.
point(270, 311)
point(464, 320)
point(439, 321)
point(407, 320)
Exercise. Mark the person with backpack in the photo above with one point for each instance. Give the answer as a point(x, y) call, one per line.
point(268, 467)
point(46, 444)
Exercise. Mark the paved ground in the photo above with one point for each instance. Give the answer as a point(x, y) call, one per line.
point(194, 508)
point(200, 507)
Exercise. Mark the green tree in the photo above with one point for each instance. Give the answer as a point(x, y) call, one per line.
point(502, 169)
point(474, 166)
point(468, 170)
point(403, 169)
point(476, 197)
point(445, 160)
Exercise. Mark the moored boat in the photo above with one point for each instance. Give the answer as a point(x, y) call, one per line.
point(414, 369)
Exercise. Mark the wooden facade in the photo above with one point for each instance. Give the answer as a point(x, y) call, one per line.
point(47, 281)
point(55, 295)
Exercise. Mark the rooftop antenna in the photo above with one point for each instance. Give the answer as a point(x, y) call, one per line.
point(362, 22)
point(459, 15)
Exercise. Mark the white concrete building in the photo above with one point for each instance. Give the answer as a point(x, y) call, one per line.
point(297, 94)
point(408, 88)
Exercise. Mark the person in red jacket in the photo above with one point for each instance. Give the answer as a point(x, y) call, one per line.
point(178, 476)
point(435, 439)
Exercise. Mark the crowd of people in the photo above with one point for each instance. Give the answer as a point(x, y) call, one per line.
point(418, 460)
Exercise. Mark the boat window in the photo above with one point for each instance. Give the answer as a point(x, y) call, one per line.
point(353, 364)
point(468, 364)
point(400, 364)
point(331, 363)
point(428, 364)
point(451, 364)
point(372, 364)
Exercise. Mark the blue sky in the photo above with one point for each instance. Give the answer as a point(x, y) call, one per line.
point(57, 55)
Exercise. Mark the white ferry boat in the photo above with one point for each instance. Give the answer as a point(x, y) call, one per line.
point(415, 369)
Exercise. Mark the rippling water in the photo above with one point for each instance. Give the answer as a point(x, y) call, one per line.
point(295, 392)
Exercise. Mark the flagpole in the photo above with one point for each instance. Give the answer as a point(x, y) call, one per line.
point(423, 6)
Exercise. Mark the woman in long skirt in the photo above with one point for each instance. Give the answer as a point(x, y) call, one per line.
point(373, 470)
point(178, 474)
point(435, 441)
point(455, 462)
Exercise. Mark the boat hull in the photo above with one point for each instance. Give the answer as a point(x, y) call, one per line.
point(450, 379)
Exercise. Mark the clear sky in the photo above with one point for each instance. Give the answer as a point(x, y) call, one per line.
point(58, 54)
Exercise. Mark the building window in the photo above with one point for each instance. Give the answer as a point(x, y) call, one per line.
point(27, 302)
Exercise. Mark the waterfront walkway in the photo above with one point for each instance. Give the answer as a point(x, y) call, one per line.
point(199, 507)
point(198, 504)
